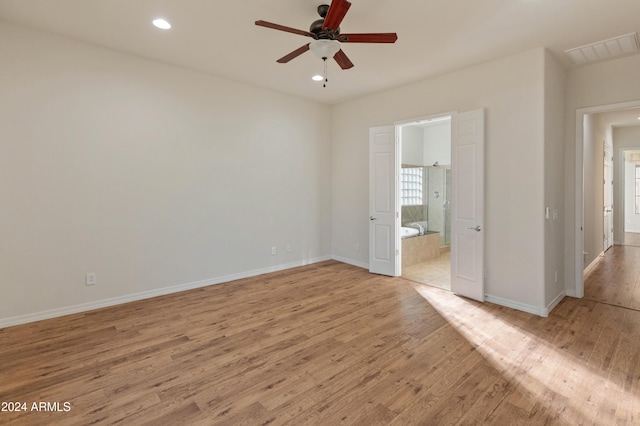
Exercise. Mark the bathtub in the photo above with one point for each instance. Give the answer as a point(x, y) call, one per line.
point(406, 232)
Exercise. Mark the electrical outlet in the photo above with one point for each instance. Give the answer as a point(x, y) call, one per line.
point(273, 250)
point(90, 279)
point(288, 248)
point(357, 246)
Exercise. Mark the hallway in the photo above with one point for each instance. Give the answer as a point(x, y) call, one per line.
point(616, 279)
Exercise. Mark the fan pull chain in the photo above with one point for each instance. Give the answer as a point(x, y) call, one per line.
point(326, 79)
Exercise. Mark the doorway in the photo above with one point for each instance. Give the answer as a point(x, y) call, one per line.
point(631, 195)
point(425, 201)
point(589, 211)
point(467, 202)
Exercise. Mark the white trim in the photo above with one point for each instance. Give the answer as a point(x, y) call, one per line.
point(58, 312)
point(422, 119)
point(621, 201)
point(554, 303)
point(592, 265)
point(578, 290)
point(536, 310)
point(351, 262)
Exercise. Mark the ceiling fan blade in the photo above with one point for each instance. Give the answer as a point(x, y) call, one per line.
point(283, 28)
point(369, 38)
point(294, 54)
point(336, 13)
point(342, 60)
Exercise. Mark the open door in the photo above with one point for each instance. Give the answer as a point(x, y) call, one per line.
point(383, 211)
point(467, 204)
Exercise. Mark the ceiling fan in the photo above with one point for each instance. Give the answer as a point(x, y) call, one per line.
point(327, 37)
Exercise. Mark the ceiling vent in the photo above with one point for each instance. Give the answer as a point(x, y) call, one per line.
point(607, 49)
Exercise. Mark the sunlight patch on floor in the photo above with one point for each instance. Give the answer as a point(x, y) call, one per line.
point(569, 373)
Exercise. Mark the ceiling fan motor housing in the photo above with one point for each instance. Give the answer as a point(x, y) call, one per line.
point(316, 26)
point(328, 33)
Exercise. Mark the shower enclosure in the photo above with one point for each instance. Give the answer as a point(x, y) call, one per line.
point(438, 202)
point(426, 198)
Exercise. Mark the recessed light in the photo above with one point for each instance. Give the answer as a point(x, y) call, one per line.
point(318, 77)
point(163, 24)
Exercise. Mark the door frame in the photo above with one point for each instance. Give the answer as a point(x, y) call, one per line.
point(398, 126)
point(607, 227)
point(578, 257)
point(622, 192)
point(397, 131)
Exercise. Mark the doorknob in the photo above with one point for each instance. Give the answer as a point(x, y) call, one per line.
point(477, 228)
point(373, 218)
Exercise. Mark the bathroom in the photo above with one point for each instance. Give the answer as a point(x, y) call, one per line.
point(425, 188)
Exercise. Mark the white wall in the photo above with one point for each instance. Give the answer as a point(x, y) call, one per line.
point(149, 175)
point(512, 93)
point(555, 85)
point(412, 146)
point(602, 83)
point(595, 131)
point(437, 140)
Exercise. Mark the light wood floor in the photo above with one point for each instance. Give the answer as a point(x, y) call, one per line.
point(327, 344)
point(616, 278)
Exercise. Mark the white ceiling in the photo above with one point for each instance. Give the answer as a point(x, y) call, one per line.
point(434, 37)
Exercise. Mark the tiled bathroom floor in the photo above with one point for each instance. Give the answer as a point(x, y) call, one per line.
point(435, 272)
point(632, 239)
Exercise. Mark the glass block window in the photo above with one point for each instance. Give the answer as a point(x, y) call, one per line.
point(411, 186)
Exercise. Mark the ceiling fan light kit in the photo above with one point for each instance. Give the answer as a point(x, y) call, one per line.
point(327, 37)
point(324, 49)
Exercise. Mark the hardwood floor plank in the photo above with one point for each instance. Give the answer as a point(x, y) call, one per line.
point(332, 344)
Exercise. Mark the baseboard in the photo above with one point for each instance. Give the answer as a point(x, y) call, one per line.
point(351, 262)
point(536, 310)
point(84, 307)
point(554, 303)
point(592, 265)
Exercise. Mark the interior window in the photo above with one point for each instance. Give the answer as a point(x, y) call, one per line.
point(411, 186)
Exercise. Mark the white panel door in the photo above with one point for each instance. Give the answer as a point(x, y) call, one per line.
point(383, 241)
point(608, 196)
point(467, 204)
